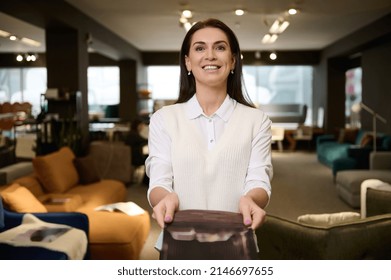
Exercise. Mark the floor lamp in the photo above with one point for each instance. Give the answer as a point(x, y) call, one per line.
point(375, 116)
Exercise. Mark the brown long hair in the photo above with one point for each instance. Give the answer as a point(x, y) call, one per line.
point(235, 86)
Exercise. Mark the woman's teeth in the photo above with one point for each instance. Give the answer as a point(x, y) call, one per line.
point(211, 67)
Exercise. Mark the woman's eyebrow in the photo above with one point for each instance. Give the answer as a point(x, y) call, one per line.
point(215, 43)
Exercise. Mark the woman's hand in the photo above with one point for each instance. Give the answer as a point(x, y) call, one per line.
point(164, 210)
point(253, 214)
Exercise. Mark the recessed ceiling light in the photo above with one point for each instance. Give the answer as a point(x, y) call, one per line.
point(187, 13)
point(239, 12)
point(292, 11)
point(269, 38)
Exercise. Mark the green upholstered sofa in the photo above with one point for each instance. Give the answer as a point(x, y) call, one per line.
point(361, 238)
point(367, 238)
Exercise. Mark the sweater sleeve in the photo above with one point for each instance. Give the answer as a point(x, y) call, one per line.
point(158, 164)
point(260, 169)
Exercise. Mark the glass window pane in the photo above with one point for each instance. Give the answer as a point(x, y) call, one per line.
point(35, 84)
point(279, 84)
point(103, 88)
point(10, 83)
point(23, 85)
point(353, 96)
point(163, 82)
point(264, 84)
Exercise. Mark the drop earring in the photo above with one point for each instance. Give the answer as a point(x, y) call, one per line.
point(189, 73)
point(232, 72)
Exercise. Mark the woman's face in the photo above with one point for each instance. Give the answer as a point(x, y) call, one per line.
point(210, 58)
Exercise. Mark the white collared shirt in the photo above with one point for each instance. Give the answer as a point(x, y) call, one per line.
point(158, 163)
point(212, 127)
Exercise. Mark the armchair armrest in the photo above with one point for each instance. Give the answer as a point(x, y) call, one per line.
point(283, 239)
point(380, 160)
point(13, 219)
point(378, 202)
point(73, 219)
point(375, 198)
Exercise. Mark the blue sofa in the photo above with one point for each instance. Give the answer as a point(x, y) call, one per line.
point(352, 153)
point(9, 219)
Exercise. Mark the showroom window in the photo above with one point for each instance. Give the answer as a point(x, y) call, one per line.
point(23, 85)
point(103, 89)
point(27, 85)
point(264, 84)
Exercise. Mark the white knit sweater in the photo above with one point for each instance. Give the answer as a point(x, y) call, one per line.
point(211, 180)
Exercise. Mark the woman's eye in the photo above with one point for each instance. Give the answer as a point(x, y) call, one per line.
point(199, 48)
point(220, 48)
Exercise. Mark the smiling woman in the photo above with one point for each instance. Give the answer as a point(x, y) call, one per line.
point(193, 144)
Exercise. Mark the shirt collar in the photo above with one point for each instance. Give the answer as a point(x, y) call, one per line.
point(194, 110)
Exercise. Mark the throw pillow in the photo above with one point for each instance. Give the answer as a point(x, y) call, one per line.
point(20, 199)
point(328, 219)
point(366, 140)
point(56, 170)
point(348, 135)
point(87, 170)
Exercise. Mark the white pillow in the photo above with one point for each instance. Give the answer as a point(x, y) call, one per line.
point(328, 219)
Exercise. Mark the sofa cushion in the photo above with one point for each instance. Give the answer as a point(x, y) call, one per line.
point(328, 219)
point(87, 171)
point(130, 235)
point(56, 171)
point(103, 192)
point(61, 202)
point(31, 183)
point(330, 151)
point(19, 199)
point(347, 135)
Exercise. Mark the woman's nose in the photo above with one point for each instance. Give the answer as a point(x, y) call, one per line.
point(210, 54)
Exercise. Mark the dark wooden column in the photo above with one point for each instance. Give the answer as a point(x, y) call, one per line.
point(67, 62)
point(128, 89)
point(336, 69)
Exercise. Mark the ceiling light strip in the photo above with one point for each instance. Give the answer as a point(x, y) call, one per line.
point(24, 40)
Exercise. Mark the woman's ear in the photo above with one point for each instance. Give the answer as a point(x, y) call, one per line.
point(188, 64)
point(233, 62)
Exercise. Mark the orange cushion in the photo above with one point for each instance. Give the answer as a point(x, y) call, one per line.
point(56, 171)
point(62, 202)
point(32, 183)
point(20, 199)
